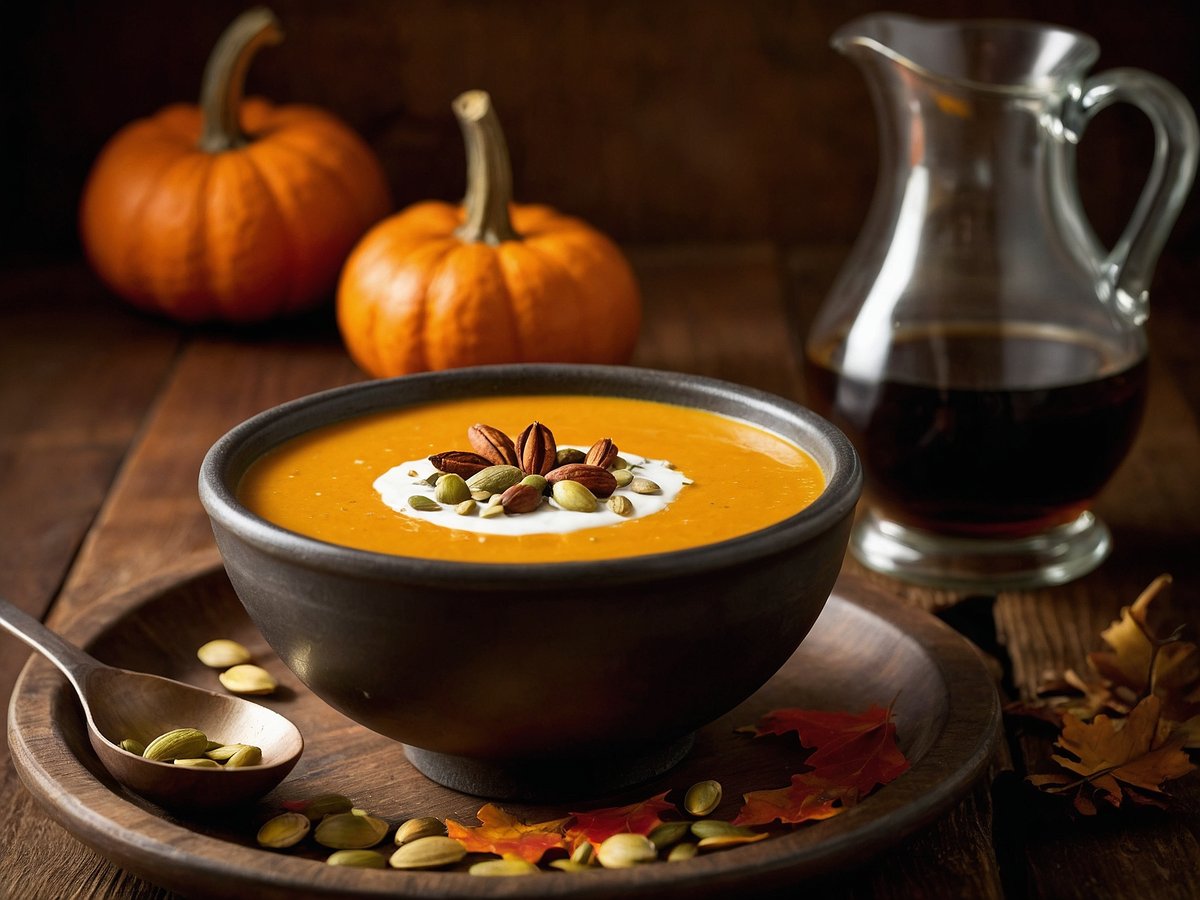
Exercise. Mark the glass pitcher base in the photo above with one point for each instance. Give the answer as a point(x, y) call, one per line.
point(1056, 556)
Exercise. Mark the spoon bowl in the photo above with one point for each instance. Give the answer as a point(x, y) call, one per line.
point(120, 704)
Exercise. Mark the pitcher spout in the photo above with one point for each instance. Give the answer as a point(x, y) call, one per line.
point(987, 54)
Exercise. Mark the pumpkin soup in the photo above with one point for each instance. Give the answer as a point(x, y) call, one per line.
point(591, 478)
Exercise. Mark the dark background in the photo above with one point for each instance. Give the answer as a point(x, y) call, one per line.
point(663, 121)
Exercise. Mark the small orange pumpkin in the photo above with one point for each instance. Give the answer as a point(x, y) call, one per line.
point(439, 286)
point(186, 215)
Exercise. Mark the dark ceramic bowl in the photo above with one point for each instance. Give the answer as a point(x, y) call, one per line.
point(546, 680)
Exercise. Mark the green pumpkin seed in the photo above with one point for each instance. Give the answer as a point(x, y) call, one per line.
point(718, 841)
point(707, 828)
point(247, 755)
point(491, 511)
point(452, 490)
point(623, 477)
point(282, 831)
point(573, 496)
point(702, 798)
point(347, 831)
point(428, 853)
point(644, 486)
point(185, 743)
point(669, 833)
point(619, 462)
point(568, 456)
point(199, 763)
point(503, 868)
point(324, 805)
point(567, 865)
point(480, 496)
point(537, 482)
point(466, 507)
point(129, 745)
point(583, 853)
point(421, 503)
point(495, 479)
point(681, 852)
point(357, 859)
point(620, 504)
point(421, 827)
point(624, 850)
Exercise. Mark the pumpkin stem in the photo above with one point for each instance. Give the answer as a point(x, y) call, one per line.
point(489, 172)
point(225, 77)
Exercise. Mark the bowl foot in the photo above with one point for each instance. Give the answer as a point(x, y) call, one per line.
point(546, 780)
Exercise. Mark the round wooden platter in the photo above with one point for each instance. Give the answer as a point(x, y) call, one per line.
point(864, 649)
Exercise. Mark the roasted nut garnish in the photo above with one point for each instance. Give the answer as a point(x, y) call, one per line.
point(459, 462)
point(597, 480)
point(493, 444)
point(536, 449)
point(602, 453)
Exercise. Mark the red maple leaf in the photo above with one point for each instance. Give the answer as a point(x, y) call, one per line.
point(505, 835)
point(805, 799)
point(599, 824)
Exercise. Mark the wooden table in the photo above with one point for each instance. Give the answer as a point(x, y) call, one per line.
point(105, 415)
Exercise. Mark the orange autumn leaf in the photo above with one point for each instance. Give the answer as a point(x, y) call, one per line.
point(505, 835)
point(1117, 758)
point(599, 824)
point(805, 799)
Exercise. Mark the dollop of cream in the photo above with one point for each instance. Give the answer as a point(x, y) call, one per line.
point(407, 479)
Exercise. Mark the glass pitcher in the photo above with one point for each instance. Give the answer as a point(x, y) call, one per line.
point(982, 349)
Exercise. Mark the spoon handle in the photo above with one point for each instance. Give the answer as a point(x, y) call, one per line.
point(73, 662)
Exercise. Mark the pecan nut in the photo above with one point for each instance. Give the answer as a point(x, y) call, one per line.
point(493, 444)
point(600, 482)
point(536, 449)
point(459, 462)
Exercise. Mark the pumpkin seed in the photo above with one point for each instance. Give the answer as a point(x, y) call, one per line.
point(568, 456)
point(669, 833)
point(180, 743)
point(285, 830)
point(129, 745)
point(620, 504)
point(480, 496)
point(503, 867)
point(583, 853)
point(537, 482)
point(223, 653)
point(324, 805)
point(202, 762)
point(491, 511)
point(619, 462)
point(624, 850)
point(495, 479)
point(428, 853)
point(681, 852)
point(573, 496)
point(421, 503)
point(452, 490)
point(222, 752)
point(432, 479)
point(466, 507)
point(718, 841)
point(246, 755)
point(623, 477)
point(357, 859)
point(415, 829)
point(641, 485)
point(248, 679)
point(707, 828)
point(346, 831)
point(567, 865)
point(702, 798)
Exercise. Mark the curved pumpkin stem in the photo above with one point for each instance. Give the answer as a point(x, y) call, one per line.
point(489, 172)
point(225, 77)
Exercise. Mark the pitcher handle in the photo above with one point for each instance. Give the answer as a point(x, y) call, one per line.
point(1127, 268)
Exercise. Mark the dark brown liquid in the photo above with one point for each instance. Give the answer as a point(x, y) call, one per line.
point(946, 449)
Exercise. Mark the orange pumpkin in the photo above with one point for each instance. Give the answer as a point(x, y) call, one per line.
point(187, 215)
point(439, 286)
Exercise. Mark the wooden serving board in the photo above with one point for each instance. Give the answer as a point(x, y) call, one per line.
point(864, 649)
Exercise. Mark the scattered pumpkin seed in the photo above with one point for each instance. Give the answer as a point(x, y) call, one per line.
point(495, 479)
point(285, 830)
point(428, 853)
point(641, 485)
point(706, 828)
point(129, 745)
point(324, 805)
point(466, 507)
point(248, 679)
point(623, 477)
point(346, 831)
point(179, 743)
point(718, 841)
point(702, 798)
point(583, 853)
point(681, 852)
point(452, 490)
point(568, 456)
point(358, 859)
point(626, 849)
point(491, 511)
point(669, 833)
point(620, 504)
point(619, 462)
point(246, 755)
point(568, 865)
point(503, 867)
point(536, 482)
point(573, 496)
point(480, 496)
point(421, 503)
point(420, 827)
point(222, 752)
point(202, 762)
point(223, 653)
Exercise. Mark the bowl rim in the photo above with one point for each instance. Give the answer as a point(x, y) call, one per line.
point(227, 455)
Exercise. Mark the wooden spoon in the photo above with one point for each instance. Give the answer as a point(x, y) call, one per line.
point(120, 704)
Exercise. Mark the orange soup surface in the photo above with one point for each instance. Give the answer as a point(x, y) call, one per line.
point(743, 478)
